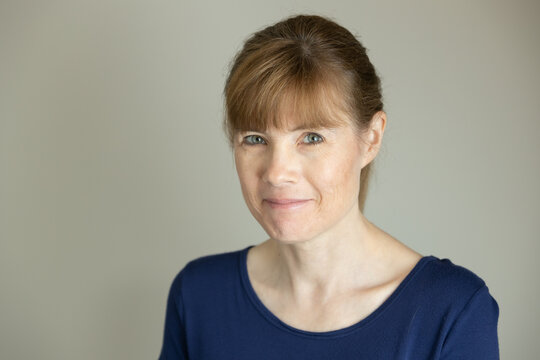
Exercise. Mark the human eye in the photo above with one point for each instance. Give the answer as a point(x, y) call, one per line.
point(253, 140)
point(313, 139)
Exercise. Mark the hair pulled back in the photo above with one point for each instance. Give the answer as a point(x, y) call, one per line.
point(307, 63)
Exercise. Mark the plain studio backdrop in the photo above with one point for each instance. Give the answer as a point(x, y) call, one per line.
point(114, 171)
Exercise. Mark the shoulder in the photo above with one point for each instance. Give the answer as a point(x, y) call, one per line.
point(443, 273)
point(451, 287)
point(452, 293)
point(469, 312)
point(208, 271)
point(449, 307)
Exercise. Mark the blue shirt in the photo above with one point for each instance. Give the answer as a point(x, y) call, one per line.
point(439, 311)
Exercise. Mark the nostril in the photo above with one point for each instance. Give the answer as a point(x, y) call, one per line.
point(281, 165)
point(278, 174)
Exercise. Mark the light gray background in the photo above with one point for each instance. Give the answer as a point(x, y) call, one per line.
point(114, 171)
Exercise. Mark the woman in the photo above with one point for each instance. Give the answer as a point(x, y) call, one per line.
point(305, 120)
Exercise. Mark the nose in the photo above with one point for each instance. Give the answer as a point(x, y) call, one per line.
point(281, 166)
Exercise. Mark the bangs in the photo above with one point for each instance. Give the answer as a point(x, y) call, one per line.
point(296, 92)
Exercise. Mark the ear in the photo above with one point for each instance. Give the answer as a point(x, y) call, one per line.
point(373, 136)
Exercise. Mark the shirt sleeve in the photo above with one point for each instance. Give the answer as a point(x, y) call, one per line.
point(474, 333)
point(174, 335)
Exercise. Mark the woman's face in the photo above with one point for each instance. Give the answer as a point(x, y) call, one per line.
point(299, 183)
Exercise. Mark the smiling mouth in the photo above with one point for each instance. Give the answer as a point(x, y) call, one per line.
point(288, 204)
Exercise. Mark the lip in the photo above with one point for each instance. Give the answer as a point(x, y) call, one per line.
point(288, 204)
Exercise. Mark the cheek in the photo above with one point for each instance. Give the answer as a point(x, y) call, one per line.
point(340, 180)
point(242, 169)
point(247, 177)
point(246, 181)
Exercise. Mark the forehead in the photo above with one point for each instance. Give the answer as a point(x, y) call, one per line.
point(294, 110)
point(297, 119)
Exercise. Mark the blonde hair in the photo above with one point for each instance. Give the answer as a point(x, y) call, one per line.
point(308, 64)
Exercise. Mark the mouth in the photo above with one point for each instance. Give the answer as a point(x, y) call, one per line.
point(288, 204)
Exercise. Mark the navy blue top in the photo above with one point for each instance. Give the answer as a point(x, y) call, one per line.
point(439, 311)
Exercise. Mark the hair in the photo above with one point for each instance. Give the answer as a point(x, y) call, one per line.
point(313, 67)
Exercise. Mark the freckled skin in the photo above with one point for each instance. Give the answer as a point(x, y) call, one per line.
point(286, 165)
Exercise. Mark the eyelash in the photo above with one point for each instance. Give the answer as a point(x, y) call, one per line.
point(246, 141)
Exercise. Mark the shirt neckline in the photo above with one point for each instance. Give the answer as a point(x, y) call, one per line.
point(274, 320)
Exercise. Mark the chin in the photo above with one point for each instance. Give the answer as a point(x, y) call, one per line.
point(290, 237)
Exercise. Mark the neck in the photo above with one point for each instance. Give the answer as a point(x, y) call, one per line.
point(334, 262)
